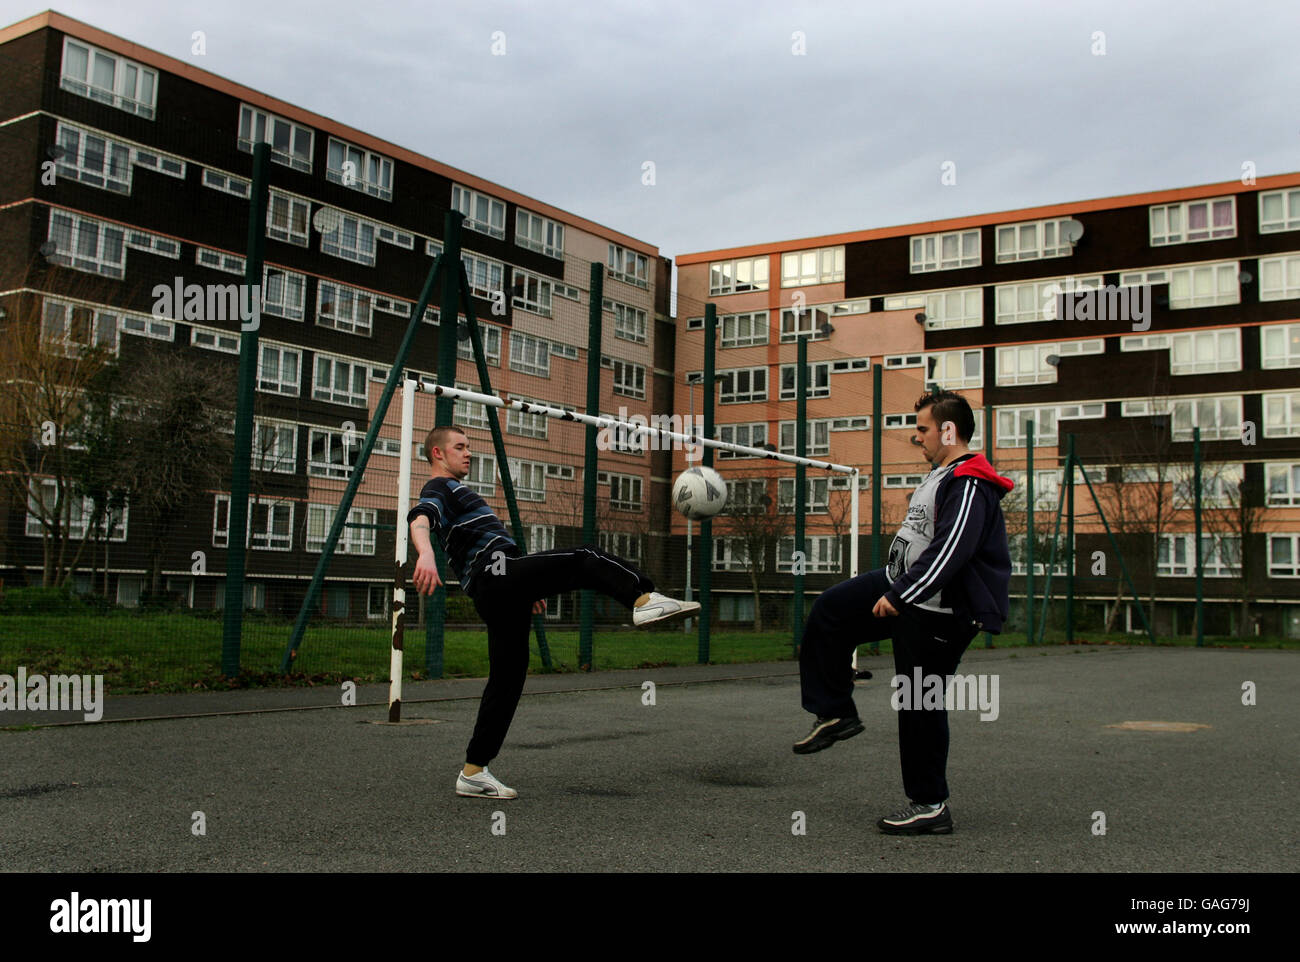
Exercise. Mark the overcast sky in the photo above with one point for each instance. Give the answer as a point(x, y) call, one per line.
point(751, 140)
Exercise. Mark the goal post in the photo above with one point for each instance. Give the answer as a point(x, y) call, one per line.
point(660, 433)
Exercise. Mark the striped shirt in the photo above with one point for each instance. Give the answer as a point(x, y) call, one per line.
point(466, 527)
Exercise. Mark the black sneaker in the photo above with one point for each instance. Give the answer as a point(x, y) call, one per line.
point(918, 820)
point(826, 733)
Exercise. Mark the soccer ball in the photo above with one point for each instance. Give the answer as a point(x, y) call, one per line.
point(699, 493)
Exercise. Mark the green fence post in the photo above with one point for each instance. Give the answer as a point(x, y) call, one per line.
point(1200, 571)
point(1029, 526)
point(587, 606)
point(800, 498)
point(705, 556)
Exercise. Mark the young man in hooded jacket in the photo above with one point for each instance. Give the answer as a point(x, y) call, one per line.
point(946, 580)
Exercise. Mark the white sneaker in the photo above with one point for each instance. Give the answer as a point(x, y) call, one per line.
point(482, 785)
point(659, 607)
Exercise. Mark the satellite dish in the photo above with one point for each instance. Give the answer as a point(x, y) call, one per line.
point(326, 220)
point(1071, 231)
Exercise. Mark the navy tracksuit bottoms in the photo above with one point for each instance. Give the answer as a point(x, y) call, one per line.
point(505, 603)
point(841, 620)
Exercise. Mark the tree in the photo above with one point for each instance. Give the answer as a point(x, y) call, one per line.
point(754, 522)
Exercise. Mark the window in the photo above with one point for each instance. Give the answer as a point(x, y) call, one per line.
point(1047, 488)
point(851, 424)
point(270, 523)
point(491, 336)
point(1204, 352)
point(802, 268)
point(1018, 547)
point(821, 554)
point(79, 511)
point(539, 233)
point(359, 169)
point(738, 276)
point(485, 275)
point(846, 308)
point(1027, 363)
point(529, 478)
point(567, 291)
point(629, 379)
point(1279, 278)
point(746, 435)
point(219, 261)
point(484, 214)
point(277, 369)
point(339, 380)
point(623, 438)
point(109, 78)
point(87, 245)
point(482, 477)
point(624, 544)
point(530, 355)
point(1279, 210)
point(351, 540)
point(1220, 486)
point(746, 496)
point(743, 384)
point(818, 437)
point(1283, 485)
point(1220, 556)
point(630, 323)
point(1032, 240)
point(956, 369)
point(951, 309)
point(625, 492)
point(275, 447)
point(945, 252)
point(379, 601)
point(1204, 286)
point(291, 144)
point(74, 327)
point(818, 383)
point(541, 537)
point(744, 330)
point(343, 308)
point(211, 339)
point(1193, 220)
point(227, 183)
point(470, 414)
point(284, 293)
point(525, 425)
point(1281, 416)
point(331, 454)
point(1279, 346)
point(894, 361)
point(732, 554)
point(353, 239)
point(902, 480)
point(1036, 300)
point(900, 421)
point(286, 219)
point(1284, 556)
point(93, 159)
point(1013, 422)
point(809, 322)
point(628, 266)
point(850, 364)
point(531, 292)
point(816, 494)
point(157, 161)
point(1219, 418)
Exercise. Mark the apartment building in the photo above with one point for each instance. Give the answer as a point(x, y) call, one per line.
point(127, 170)
point(1126, 321)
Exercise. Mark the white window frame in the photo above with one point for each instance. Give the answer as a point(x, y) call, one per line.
point(482, 477)
point(630, 323)
point(1287, 215)
point(352, 541)
point(530, 355)
point(538, 233)
point(294, 150)
point(806, 322)
point(491, 336)
point(1279, 346)
point(470, 414)
point(87, 244)
point(292, 222)
point(354, 394)
point(133, 87)
point(213, 339)
point(265, 539)
point(78, 326)
point(1223, 347)
point(629, 379)
point(1016, 436)
point(473, 203)
point(1289, 569)
point(1212, 564)
point(1170, 223)
point(625, 492)
point(332, 443)
point(818, 495)
point(1036, 300)
point(628, 266)
point(275, 446)
point(343, 308)
point(730, 380)
point(929, 254)
point(374, 172)
point(485, 275)
point(227, 183)
point(1187, 413)
point(279, 382)
point(291, 302)
point(818, 438)
point(820, 265)
point(107, 167)
point(623, 544)
point(818, 372)
point(950, 310)
point(529, 478)
point(744, 330)
point(352, 239)
point(114, 524)
point(962, 359)
point(1287, 493)
point(1031, 240)
point(1281, 414)
point(1279, 278)
point(732, 554)
point(531, 292)
point(821, 554)
point(752, 434)
point(738, 276)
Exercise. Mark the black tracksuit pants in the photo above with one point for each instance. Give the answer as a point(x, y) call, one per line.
point(841, 620)
point(505, 603)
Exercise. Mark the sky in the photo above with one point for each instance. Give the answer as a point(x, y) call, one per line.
point(770, 121)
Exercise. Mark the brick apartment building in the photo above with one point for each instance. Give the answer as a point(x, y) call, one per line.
point(972, 304)
point(151, 159)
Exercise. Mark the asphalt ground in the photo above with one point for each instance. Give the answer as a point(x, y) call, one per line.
point(702, 780)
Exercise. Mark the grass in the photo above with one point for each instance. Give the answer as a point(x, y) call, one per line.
point(181, 652)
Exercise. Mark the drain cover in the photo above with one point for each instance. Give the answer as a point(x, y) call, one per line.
point(1158, 726)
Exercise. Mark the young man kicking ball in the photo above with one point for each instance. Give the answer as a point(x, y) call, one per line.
point(507, 587)
point(947, 578)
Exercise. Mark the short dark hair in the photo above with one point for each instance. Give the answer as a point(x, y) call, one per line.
point(438, 437)
point(950, 406)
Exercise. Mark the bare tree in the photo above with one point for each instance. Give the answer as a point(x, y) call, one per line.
point(755, 525)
